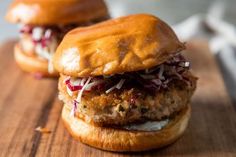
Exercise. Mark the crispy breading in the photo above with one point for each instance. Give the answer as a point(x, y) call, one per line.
point(126, 106)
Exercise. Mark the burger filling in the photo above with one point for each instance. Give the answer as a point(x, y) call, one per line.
point(42, 41)
point(151, 96)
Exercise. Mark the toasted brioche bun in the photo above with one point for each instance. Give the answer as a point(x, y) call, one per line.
point(118, 140)
point(56, 12)
point(120, 45)
point(32, 64)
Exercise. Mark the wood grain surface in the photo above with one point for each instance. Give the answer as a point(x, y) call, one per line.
point(26, 103)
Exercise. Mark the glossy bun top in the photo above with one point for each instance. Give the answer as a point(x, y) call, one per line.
point(56, 12)
point(125, 44)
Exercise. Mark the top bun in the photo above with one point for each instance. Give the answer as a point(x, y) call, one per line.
point(55, 12)
point(125, 44)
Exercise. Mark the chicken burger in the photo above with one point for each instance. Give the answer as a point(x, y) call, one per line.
point(42, 25)
point(125, 84)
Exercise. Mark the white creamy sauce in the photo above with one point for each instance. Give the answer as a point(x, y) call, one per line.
point(70, 59)
point(148, 126)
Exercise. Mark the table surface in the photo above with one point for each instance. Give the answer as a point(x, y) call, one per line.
point(13, 116)
point(26, 103)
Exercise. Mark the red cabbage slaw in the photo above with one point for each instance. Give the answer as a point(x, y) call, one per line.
point(44, 34)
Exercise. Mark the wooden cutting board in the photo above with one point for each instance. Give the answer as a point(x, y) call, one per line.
point(26, 103)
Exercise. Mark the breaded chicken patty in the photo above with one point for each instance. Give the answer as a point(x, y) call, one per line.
point(131, 104)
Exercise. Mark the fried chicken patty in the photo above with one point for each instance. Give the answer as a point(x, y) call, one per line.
point(130, 105)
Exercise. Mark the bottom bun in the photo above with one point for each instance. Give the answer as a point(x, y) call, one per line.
point(32, 64)
point(119, 140)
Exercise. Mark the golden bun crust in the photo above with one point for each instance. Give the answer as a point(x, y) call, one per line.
point(122, 140)
point(56, 12)
point(125, 44)
point(32, 64)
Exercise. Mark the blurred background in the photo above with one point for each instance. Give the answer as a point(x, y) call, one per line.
point(171, 11)
point(211, 20)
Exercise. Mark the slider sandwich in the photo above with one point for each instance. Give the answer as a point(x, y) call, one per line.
point(42, 25)
point(125, 84)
